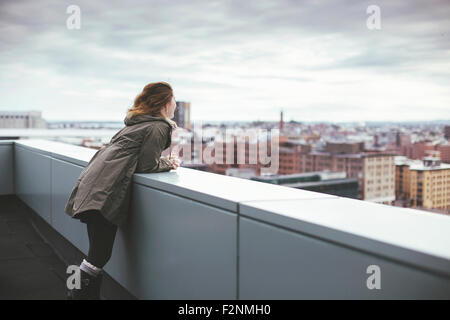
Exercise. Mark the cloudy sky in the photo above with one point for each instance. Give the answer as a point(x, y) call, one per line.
point(232, 59)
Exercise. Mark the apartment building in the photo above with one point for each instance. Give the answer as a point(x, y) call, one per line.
point(423, 183)
point(375, 171)
point(378, 178)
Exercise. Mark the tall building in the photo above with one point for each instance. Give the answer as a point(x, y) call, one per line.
point(182, 115)
point(402, 139)
point(22, 119)
point(423, 183)
point(403, 144)
point(375, 171)
point(447, 132)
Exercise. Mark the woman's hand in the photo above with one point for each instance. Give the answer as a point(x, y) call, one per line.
point(174, 160)
point(176, 163)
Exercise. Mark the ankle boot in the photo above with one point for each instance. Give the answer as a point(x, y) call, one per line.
point(89, 287)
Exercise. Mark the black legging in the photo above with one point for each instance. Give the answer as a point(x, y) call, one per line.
point(101, 234)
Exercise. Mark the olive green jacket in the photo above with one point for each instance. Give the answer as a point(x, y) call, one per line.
point(105, 183)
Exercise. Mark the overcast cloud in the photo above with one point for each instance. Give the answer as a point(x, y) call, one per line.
point(233, 59)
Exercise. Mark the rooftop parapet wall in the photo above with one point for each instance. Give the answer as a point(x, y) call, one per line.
point(198, 235)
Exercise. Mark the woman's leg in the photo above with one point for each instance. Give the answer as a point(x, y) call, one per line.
point(101, 239)
point(101, 234)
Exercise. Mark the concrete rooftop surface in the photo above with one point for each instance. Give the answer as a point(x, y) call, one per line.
point(29, 267)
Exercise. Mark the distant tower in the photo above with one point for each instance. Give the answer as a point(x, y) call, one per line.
point(182, 115)
point(281, 120)
point(447, 132)
point(397, 139)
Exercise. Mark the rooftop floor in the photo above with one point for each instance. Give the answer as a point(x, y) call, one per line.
point(29, 267)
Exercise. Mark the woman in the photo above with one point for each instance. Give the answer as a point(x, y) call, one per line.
point(101, 196)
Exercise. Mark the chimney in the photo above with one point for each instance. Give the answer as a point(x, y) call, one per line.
point(281, 120)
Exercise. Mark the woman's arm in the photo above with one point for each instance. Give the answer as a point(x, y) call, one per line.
point(150, 159)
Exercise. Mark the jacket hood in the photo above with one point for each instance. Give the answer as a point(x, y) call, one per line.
point(146, 117)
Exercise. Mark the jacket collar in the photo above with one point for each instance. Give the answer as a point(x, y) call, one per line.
point(146, 117)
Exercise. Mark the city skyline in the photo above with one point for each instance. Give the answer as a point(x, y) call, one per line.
point(315, 61)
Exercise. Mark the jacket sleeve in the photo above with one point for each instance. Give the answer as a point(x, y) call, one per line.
point(150, 159)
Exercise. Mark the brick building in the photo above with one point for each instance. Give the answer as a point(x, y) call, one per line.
point(423, 183)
